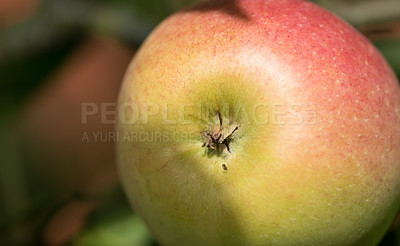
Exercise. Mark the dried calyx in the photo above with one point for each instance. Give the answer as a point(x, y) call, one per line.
point(219, 138)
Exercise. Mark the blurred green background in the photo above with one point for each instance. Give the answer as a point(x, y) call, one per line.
point(56, 189)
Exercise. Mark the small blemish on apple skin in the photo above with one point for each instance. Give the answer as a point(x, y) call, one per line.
point(224, 167)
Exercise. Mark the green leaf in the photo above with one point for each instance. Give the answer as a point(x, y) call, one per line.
point(391, 50)
point(124, 229)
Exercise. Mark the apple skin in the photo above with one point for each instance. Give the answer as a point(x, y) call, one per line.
point(330, 178)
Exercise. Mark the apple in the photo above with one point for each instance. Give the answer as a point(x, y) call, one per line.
point(260, 122)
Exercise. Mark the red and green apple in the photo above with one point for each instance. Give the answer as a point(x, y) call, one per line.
point(260, 122)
